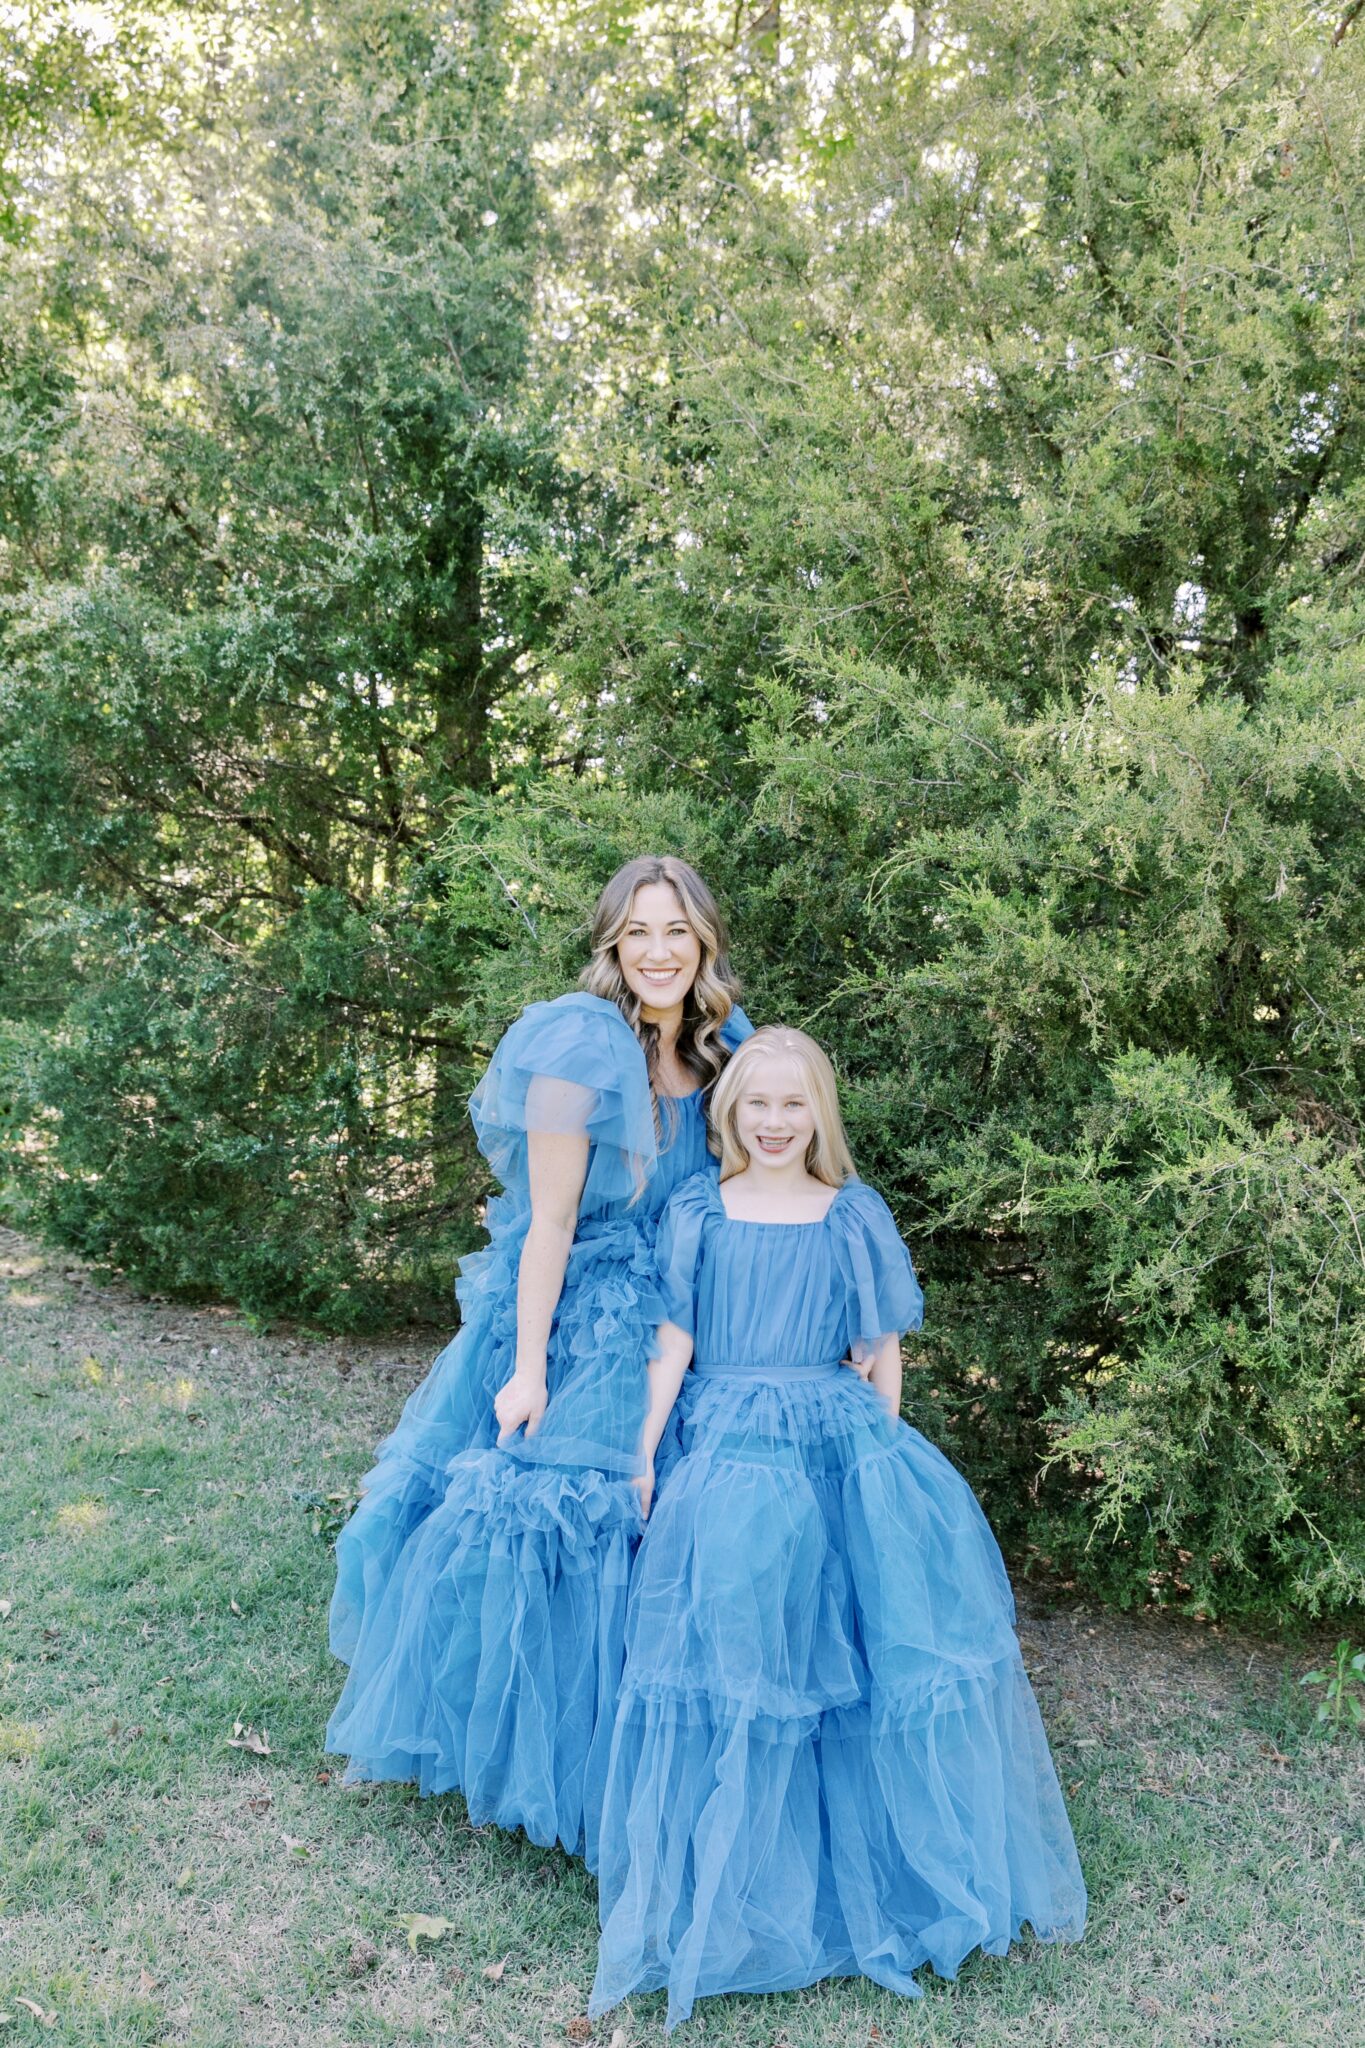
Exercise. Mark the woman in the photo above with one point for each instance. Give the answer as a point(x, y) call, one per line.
point(482, 1579)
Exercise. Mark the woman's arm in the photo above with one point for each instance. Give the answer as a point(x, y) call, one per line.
point(665, 1379)
point(886, 1374)
point(558, 1166)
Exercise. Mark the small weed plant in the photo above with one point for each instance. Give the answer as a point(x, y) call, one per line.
point(1343, 1703)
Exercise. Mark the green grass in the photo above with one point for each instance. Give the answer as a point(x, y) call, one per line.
point(158, 1886)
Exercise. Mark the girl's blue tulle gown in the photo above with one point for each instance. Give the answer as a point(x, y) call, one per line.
point(481, 1593)
point(827, 1757)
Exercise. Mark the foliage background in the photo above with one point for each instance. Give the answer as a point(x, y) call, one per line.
point(908, 460)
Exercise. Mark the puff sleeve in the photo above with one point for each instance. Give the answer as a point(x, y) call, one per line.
point(883, 1296)
point(678, 1248)
point(735, 1029)
point(572, 1065)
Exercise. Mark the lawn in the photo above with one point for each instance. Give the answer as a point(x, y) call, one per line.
point(164, 1576)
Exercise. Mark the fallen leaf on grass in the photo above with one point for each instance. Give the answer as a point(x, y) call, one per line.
point(363, 1956)
point(579, 2029)
point(185, 1881)
point(44, 2019)
point(618, 2039)
point(6, 1609)
point(296, 1846)
point(146, 1983)
point(232, 1604)
point(322, 1777)
point(494, 1971)
point(425, 1927)
point(249, 1738)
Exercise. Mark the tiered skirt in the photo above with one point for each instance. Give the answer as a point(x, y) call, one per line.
point(827, 1758)
point(481, 1593)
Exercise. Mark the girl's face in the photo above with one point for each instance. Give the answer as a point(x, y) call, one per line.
point(659, 953)
point(774, 1114)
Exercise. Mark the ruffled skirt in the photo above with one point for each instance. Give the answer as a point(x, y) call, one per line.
point(481, 1593)
point(827, 1757)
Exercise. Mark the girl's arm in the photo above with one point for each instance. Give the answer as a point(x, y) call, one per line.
point(558, 1166)
point(886, 1373)
point(665, 1379)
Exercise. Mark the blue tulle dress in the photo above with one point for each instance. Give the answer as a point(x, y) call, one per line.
point(827, 1757)
point(481, 1593)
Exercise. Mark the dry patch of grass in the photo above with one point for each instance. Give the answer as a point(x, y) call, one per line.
point(163, 1552)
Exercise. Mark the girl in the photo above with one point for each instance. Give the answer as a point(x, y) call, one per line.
point(827, 1758)
point(481, 1581)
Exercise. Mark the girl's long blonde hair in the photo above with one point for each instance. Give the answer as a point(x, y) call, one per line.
point(827, 1155)
point(712, 995)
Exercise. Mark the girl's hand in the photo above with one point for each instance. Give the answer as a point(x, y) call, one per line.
point(521, 1399)
point(860, 1361)
point(644, 1486)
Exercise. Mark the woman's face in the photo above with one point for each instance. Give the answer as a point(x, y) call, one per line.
point(658, 951)
point(774, 1115)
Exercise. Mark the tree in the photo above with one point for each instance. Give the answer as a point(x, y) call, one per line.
point(254, 639)
point(909, 461)
point(982, 598)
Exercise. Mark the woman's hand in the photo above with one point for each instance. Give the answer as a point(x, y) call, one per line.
point(520, 1399)
point(643, 1482)
point(860, 1360)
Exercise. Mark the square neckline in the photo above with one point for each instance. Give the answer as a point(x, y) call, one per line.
point(760, 1223)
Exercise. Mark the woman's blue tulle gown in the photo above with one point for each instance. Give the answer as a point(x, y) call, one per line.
point(481, 1593)
point(827, 1757)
